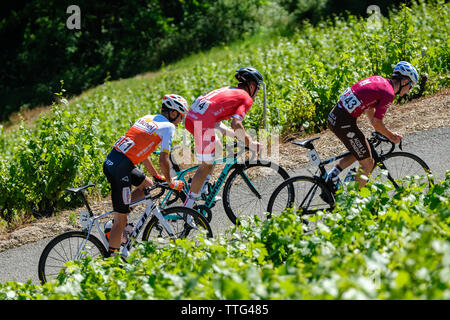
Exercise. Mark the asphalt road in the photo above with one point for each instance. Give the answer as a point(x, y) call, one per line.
point(20, 264)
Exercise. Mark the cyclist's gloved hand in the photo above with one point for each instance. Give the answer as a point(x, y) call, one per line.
point(159, 178)
point(177, 185)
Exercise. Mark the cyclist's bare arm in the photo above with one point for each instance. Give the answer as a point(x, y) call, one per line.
point(150, 168)
point(379, 126)
point(236, 125)
point(164, 163)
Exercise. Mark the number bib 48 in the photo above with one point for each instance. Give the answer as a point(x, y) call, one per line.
point(349, 101)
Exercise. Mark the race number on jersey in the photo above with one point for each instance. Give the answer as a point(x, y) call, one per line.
point(349, 101)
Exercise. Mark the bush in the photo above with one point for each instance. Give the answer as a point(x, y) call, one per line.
point(116, 40)
point(370, 247)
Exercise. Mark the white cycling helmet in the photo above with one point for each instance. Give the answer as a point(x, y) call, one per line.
point(175, 102)
point(407, 70)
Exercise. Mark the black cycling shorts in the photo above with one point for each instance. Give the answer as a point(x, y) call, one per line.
point(121, 174)
point(345, 128)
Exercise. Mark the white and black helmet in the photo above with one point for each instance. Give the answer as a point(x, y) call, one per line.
point(175, 102)
point(406, 70)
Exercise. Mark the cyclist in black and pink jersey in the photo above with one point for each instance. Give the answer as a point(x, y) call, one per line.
point(371, 96)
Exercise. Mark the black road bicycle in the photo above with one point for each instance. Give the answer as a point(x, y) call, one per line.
point(309, 194)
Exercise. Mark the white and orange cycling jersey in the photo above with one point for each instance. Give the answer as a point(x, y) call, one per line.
point(144, 137)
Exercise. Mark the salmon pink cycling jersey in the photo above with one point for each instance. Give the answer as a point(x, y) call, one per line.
point(220, 104)
point(373, 92)
point(207, 112)
point(144, 137)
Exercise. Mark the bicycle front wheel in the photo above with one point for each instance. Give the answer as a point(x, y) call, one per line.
point(249, 187)
point(69, 246)
point(185, 222)
point(400, 165)
point(309, 197)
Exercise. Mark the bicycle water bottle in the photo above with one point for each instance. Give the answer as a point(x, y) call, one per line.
point(350, 175)
point(126, 233)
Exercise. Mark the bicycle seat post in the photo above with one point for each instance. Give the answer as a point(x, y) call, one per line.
point(81, 194)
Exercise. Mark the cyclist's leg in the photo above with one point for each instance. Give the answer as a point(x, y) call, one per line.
point(204, 139)
point(344, 126)
point(121, 174)
point(136, 177)
point(366, 167)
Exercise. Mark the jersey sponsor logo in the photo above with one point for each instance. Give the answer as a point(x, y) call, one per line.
point(332, 119)
point(358, 147)
point(145, 149)
point(126, 195)
point(216, 113)
point(147, 124)
point(364, 82)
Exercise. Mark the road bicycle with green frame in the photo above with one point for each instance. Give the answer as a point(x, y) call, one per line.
point(247, 184)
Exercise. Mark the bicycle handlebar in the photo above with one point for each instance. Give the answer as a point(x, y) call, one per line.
point(378, 138)
point(161, 185)
point(243, 148)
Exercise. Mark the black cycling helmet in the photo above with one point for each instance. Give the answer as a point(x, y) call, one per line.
point(245, 75)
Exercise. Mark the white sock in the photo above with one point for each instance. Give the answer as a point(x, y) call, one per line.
point(190, 199)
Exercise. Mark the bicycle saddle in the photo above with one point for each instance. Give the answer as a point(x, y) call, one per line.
point(306, 143)
point(76, 190)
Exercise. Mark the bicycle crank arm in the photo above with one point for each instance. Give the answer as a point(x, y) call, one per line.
point(163, 221)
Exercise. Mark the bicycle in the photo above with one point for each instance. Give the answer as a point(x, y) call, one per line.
point(166, 224)
point(310, 194)
point(247, 184)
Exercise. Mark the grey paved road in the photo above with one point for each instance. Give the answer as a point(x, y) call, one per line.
point(433, 146)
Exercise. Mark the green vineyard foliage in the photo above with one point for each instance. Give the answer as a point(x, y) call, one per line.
point(305, 72)
point(374, 245)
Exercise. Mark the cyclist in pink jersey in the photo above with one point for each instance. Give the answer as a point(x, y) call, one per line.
point(371, 96)
point(206, 114)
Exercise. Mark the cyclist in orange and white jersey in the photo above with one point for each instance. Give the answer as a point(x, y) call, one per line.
point(134, 147)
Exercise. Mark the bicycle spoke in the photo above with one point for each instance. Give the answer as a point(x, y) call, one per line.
point(308, 197)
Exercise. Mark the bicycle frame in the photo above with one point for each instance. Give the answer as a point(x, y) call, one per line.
point(376, 157)
point(230, 163)
point(151, 207)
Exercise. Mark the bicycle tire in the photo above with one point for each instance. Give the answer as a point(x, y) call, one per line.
point(175, 215)
point(234, 209)
point(53, 254)
point(313, 188)
point(402, 164)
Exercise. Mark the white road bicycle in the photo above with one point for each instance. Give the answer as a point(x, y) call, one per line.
point(164, 225)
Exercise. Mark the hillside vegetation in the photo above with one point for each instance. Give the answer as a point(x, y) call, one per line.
point(305, 72)
point(370, 247)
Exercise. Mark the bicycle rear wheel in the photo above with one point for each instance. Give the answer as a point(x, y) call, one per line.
point(400, 165)
point(309, 197)
point(69, 246)
point(249, 187)
point(180, 220)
